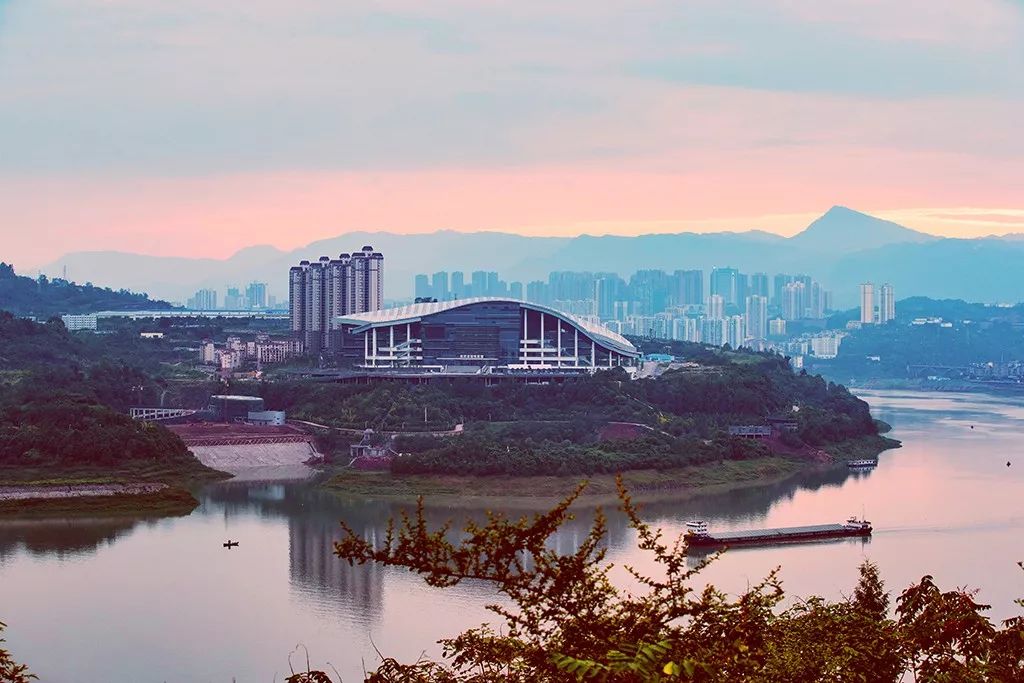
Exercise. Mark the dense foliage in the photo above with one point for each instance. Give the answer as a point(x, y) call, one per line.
point(68, 431)
point(682, 417)
point(566, 620)
point(63, 397)
point(892, 351)
point(44, 297)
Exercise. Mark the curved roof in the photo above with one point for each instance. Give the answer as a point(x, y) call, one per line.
point(414, 312)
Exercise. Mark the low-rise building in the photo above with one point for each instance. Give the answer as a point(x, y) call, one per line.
point(75, 322)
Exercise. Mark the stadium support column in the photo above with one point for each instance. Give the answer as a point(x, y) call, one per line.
point(593, 354)
point(366, 346)
point(559, 342)
point(542, 335)
point(375, 347)
point(391, 344)
point(609, 357)
point(576, 346)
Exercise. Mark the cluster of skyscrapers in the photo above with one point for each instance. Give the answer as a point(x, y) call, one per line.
point(886, 306)
point(253, 298)
point(737, 308)
point(321, 291)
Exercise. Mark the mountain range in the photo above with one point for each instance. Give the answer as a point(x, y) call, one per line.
point(841, 249)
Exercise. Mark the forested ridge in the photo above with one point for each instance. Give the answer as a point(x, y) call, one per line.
point(43, 297)
point(558, 428)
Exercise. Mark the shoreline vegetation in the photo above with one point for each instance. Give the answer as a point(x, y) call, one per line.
point(646, 485)
point(83, 500)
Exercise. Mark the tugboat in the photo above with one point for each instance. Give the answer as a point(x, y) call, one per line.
point(698, 535)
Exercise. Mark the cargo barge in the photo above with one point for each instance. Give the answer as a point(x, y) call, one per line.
point(698, 535)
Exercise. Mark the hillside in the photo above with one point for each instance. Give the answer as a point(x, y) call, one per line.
point(841, 249)
point(596, 424)
point(44, 297)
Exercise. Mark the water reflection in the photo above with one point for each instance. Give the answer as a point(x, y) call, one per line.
point(945, 504)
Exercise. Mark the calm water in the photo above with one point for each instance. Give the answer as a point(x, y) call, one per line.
point(161, 600)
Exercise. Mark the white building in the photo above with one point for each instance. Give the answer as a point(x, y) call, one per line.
point(716, 307)
point(79, 322)
point(867, 303)
point(208, 352)
point(736, 331)
point(777, 327)
point(756, 318)
point(714, 331)
point(886, 304)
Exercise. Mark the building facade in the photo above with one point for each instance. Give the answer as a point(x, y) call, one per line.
point(867, 303)
point(886, 304)
point(321, 291)
point(480, 333)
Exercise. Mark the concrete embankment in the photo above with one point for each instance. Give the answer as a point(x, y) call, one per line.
point(238, 458)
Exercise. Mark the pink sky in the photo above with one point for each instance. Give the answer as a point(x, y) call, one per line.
point(186, 129)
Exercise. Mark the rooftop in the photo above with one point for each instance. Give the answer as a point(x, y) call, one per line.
point(414, 312)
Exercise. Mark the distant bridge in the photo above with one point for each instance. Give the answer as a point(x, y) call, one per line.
point(187, 313)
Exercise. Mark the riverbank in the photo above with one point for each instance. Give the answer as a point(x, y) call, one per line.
point(462, 490)
point(644, 485)
point(95, 500)
point(179, 473)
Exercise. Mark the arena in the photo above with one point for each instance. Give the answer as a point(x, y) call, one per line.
point(488, 334)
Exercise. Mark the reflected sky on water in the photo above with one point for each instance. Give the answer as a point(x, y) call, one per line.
point(161, 599)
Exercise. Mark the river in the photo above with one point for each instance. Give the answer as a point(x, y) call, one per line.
point(161, 600)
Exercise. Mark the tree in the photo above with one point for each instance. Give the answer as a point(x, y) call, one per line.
point(566, 621)
point(11, 671)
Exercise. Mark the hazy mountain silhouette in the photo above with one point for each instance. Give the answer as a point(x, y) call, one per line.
point(841, 248)
point(843, 229)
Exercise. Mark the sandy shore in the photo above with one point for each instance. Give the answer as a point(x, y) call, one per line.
point(12, 493)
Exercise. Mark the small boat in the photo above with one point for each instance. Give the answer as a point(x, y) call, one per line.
point(866, 462)
point(230, 544)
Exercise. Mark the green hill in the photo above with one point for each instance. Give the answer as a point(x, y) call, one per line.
point(43, 298)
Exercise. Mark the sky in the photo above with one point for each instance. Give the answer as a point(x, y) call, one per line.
point(198, 128)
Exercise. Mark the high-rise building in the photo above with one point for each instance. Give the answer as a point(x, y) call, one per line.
point(736, 331)
point(256, 295)
point(439, 285)
point(515, 290)
point(689, 287)
point(714, 331)
point(886, 304)
point(320, 291)
point(458, 285)
point(867, 303)
point(778, 288)
point(777, 327)
point(716, 307)
point(422, 288)
point(478, 283)
point(233, 300)
point(726, 283)
point(793, 300)
point(757, 315)
point(757, 285)
point(204, 300)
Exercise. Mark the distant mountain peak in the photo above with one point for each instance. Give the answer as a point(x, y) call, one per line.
point(843, 228)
